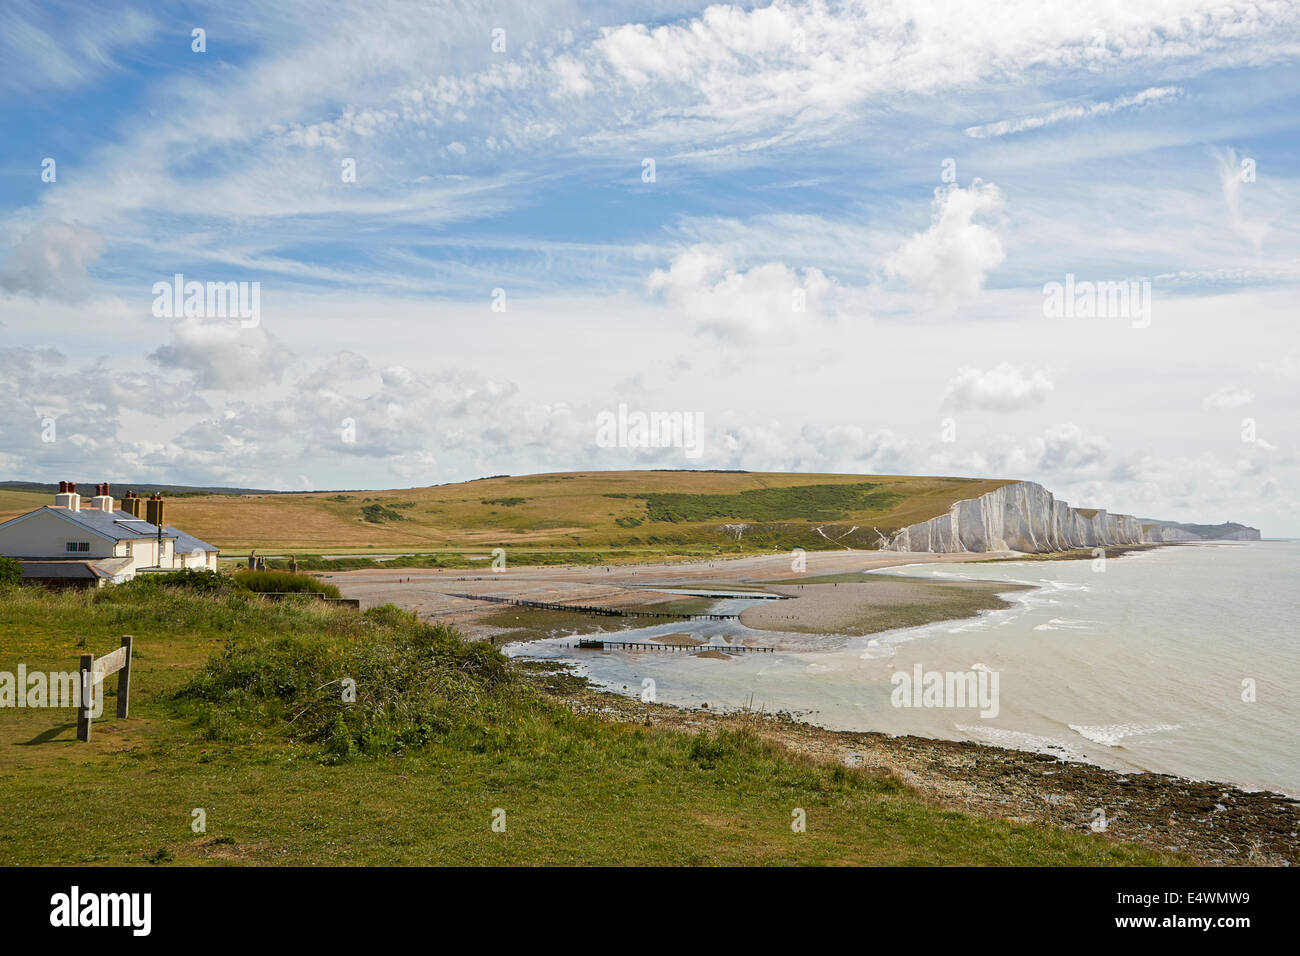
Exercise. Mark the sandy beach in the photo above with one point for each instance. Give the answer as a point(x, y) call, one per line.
point(436, 594)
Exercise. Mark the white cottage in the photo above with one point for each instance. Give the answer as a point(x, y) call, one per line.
point(69, 544)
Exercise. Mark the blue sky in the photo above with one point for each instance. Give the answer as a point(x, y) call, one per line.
point(918, 171)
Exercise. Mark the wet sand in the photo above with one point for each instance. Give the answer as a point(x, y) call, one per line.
point(880, 604)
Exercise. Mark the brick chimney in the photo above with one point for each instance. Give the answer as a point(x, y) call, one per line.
point(154, 509)
point(131, 504)
point(67, 496)
point(103, 499)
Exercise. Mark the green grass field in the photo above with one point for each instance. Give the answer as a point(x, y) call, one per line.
point(237, 711)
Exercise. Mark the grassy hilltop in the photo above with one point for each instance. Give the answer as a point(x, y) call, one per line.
point(641, 512)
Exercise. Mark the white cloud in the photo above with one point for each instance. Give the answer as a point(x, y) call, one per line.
point(1229, 396)
point(50, 261)
point(708, 288)
point(62, 46)
point(1004, 388)
point(950, 259)
point(1151, 95)
point(1068, 449)
point(223, 355)
point(1233, 174)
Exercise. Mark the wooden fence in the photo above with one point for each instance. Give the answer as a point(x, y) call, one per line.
point(93, 672)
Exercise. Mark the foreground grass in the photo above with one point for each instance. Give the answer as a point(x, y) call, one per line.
point(228, 717)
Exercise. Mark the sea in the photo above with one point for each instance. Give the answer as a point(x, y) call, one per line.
point(1182, 660)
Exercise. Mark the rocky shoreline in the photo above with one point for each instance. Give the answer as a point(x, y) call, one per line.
point(1208, 823)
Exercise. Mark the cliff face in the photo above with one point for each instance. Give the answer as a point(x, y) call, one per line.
point(1174, 531)
point(1026, 517)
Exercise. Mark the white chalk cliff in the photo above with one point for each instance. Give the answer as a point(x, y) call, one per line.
point(1025, 517)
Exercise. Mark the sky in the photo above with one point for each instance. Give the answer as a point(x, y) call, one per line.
point(843, 237)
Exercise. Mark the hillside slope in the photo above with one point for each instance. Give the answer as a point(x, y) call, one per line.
point(662, 512)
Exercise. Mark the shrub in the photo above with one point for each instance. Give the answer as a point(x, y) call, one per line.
point(264, 582)
point(378, 514)
point(208, 582)
point(413, 682)
point(11, 572)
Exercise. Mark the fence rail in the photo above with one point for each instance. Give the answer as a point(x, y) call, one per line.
point(94, 672)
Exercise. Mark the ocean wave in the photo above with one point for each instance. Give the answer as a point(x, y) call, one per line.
point(1019, 740)
point(1066, 624)
point(1110, 735)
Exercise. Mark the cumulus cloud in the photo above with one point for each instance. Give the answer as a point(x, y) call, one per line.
point(1003, 388)
point(223, 355)
point(56, 416)
point(1061, 455)
point(1229, 396)
point(1067, 448)
point(50, 261)
point(853, 448)
point(950, 259)
point(706, 285)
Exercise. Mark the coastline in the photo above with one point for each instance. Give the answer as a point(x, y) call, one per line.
point(1211, 823)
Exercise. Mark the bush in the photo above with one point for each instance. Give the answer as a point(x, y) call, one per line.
point(267, 582)
point(11, 572)
point(207, 582)
point(378, 514)
point(399, 684)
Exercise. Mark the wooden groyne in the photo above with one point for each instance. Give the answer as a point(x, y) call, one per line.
point(684, 591)
point(594, 609)
point(595, 644)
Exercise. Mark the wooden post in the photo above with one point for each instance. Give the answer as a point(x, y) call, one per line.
point(87, 676)
point(124, 679)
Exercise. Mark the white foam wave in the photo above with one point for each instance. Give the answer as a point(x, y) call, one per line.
point(1018, 740)
point(1110, 735)
point(1066, 624)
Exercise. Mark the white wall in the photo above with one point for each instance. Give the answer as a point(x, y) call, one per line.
point(44, 535)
